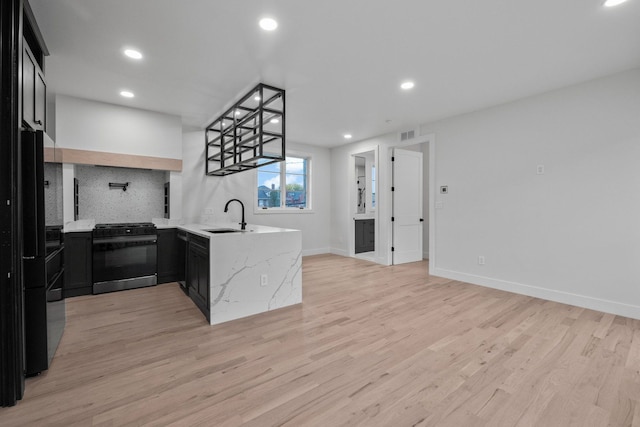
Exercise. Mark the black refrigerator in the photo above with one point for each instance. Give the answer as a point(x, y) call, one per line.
point(44, 315)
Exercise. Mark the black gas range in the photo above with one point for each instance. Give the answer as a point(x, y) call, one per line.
point(124, 256)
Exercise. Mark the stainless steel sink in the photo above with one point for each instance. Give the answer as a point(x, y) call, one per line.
point(223, 230)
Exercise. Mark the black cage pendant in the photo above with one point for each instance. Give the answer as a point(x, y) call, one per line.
point(248, 135)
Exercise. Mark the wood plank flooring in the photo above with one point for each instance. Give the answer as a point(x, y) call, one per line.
point(370, 345)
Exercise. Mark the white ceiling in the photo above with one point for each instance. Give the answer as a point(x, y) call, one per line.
point(340, 61)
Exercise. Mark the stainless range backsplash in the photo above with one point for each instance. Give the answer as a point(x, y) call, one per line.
point(143, 200)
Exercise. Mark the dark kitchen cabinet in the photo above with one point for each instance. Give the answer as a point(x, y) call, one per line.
point(169, 259)
point(365, 235)
point(34, 91)
point(197, 274)
point(78, 264)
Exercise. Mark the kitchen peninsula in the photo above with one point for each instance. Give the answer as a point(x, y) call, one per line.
point(241, 273)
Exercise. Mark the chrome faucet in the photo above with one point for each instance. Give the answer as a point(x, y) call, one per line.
point(243, 225)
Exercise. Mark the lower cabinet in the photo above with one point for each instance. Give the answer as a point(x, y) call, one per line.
point(365, 235)
point(78, 264)
point(181, 243)
point(168, 255)
point(197, 271)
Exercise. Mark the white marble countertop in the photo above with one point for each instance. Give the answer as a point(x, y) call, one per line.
point(200, 229)
point(163, 223)
point(165, 226)
point(79, 226)
point(364, 216)
point(252, 229)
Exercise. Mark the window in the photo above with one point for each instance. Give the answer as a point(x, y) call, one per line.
point(294, 173)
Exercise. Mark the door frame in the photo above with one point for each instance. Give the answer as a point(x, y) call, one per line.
point(420, 139)
point(353, 197)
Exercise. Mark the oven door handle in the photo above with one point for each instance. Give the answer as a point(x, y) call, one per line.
point(126, 239)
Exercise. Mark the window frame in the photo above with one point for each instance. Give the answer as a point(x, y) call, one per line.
point(259, 210)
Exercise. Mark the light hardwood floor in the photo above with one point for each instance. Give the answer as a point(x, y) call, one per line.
point(370, 345)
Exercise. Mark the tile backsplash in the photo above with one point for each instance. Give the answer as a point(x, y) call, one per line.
point(53, 194)
point(143, 200)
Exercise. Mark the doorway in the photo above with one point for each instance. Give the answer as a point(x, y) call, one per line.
point(364, 229)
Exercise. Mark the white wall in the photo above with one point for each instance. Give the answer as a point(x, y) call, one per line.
point(202, 193)
point(96, 126)
point(570, 235)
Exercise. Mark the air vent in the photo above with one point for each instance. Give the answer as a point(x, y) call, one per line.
point(407, 135)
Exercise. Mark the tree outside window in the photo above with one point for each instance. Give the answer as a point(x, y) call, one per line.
point(294, 172)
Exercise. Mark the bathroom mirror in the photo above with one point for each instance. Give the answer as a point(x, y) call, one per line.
point(373, 186)
point(361, 185)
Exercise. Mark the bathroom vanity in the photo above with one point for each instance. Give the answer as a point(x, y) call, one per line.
point(237, 273)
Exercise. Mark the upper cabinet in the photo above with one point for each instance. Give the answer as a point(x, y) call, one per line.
point(34, 91)
point(34, 86)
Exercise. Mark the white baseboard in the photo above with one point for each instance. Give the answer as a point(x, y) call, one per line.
point(318, 251)
point(340, 252)
point(584, 301)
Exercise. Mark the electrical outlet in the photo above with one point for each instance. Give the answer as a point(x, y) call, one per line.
point(540, 169)
point(480, 260)
point(264, 281)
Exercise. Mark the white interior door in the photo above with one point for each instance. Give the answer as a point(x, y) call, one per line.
point(407, 206)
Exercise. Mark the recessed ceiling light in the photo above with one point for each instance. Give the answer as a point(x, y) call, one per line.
point(407, 85)
point(127, 94)
point(257, 97)
point(611, 3)
point(275, 121)
point(268, 24)
point(348, 136)
point(132, 53)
